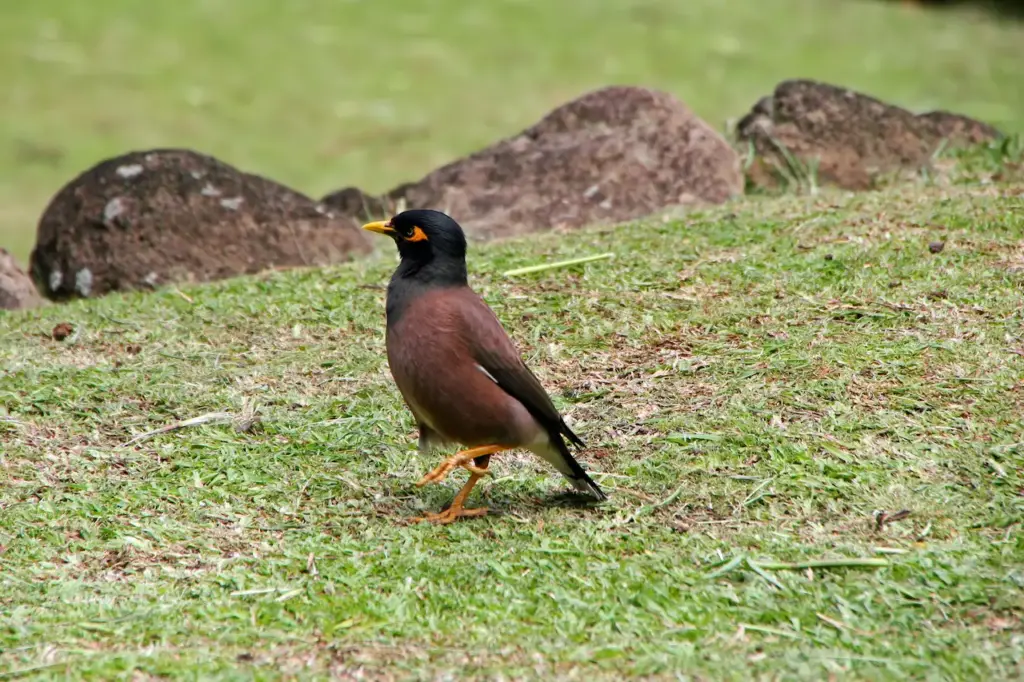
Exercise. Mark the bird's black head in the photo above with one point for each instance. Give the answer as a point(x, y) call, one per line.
point(431, 244)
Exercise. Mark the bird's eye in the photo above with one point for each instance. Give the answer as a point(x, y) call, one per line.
point(416, 234)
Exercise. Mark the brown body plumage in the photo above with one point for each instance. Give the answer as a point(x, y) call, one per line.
point(440, 386)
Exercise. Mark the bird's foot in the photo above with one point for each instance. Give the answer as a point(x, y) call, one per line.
point(451, 514)
point(455, 509)
point(461, 459)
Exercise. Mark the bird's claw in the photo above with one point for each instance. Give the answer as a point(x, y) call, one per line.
point(450, 515)
point(461, 459)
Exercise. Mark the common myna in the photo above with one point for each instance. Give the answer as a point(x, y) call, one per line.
point(457, 369)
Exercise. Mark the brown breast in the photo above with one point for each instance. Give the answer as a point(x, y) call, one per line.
point(430, 356)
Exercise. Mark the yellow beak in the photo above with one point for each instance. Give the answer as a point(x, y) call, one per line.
point(380, 226)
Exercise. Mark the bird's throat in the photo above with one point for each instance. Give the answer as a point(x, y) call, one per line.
point(415, 277)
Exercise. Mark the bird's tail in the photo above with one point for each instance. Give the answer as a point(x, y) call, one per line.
point(557, 453)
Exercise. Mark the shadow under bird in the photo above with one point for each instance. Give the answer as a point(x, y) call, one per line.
point(457, 369)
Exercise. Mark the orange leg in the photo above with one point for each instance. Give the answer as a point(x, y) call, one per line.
point(462, 459)
point(456, 509)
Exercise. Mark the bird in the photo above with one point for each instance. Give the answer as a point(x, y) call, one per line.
point(458, 371)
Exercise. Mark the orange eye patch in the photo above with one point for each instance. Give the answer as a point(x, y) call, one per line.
point(417, 235)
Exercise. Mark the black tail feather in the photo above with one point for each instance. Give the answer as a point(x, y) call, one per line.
point(576, 440)
point(579, 478)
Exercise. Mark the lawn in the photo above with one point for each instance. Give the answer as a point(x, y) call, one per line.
point(808, 415)
point(756, 381)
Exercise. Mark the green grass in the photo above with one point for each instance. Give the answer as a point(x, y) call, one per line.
point(763, 383)
point(321, 94)
point(755, 383)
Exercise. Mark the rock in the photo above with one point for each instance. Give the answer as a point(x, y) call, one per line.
point(614, 154)
point(153, 217)
point(352, 201)
point(853, 138)
point(16, 288)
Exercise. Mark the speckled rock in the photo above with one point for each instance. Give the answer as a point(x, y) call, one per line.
point(848, 138)
point(16, 287)
point(149, 218)
point(613, 155)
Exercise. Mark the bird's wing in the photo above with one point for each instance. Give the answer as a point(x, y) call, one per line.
point(496, 355)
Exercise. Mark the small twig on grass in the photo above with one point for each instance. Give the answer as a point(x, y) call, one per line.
point(839, 625)
point(208, 418)
point(890, 550)
point(762, 567)
point(770, 631)
point(996, 467)
point(557, 264)
point(862, 659)
point(350, 484)
point(823, 563)
point(884, 517)
point(31, 670)
point(289, 594)
point(255, 592)
point(181, 293)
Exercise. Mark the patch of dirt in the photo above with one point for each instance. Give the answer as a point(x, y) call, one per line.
point(345, 657)
point(122, 564)
point(1013, 261)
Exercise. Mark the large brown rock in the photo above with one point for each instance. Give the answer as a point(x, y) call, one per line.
point(152, 217)
point(612, 155)
point(16, 287)
point(851, 138)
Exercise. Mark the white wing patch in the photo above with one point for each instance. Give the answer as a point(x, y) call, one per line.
point(484, 370)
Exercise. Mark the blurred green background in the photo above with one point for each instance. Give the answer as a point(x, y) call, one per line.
point(319, 94)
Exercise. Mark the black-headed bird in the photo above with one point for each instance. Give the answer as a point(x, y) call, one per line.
point(457, 369)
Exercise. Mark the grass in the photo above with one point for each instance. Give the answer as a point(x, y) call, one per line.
point(320, 94)
point(810, 425)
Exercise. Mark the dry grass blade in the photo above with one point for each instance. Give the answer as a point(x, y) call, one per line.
point(31, 670)
point(823, 563)
point(557, 264)
point(208, 418)
point(769, 630)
